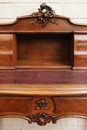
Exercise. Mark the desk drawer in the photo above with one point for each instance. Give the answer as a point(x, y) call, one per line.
point(8, 51)
point(5, 60)
point(70, 106)
point(38, 108)
point(5, 39)
point(80, 51)
point(14, 105)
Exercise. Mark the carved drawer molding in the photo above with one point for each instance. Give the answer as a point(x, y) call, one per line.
point(42, 119)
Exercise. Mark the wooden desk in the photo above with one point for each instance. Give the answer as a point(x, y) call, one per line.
point(43, 68)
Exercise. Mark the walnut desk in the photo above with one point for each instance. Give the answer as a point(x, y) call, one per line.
point(43, 68)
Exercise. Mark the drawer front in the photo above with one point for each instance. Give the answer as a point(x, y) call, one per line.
point(5, 39)
point(5, 49)
point(15, 106)
point(51, 105)
point(70, 106)
point(26, 105)
point(80, 50)
point(8, 50)
point(43, 110)
point(5, 60)
point(5, 55)
point(80, 43)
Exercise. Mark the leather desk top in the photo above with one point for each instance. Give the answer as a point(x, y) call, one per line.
point(43, 77)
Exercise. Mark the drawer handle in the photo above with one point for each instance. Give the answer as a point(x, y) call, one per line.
point(42, 104)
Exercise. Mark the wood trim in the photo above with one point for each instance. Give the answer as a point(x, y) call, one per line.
point(44, 90)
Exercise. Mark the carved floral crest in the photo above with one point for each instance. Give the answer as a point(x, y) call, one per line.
point(44, 15)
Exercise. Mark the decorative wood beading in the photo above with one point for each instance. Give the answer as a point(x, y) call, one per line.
point(42, 119)
point(44, 15)
point(42, 104)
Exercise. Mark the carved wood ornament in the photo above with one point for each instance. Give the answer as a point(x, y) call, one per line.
point(44, 15)
point(42, 119)
point(42, 104)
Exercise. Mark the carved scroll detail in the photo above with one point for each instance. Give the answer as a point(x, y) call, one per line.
point(42, 104)
point(44, 15)
point(42, 119)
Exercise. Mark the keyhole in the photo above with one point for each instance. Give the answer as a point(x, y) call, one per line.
point(42, 104)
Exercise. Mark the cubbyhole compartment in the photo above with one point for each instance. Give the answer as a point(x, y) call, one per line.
point(45, 50)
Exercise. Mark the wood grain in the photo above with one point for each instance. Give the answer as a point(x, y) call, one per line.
point(43, 90)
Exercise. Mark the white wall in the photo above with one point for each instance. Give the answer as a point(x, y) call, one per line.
point(62, 124)
point(77, 11)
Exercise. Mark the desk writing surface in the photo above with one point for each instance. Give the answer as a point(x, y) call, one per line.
point(43, 77)
point(43, 82)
